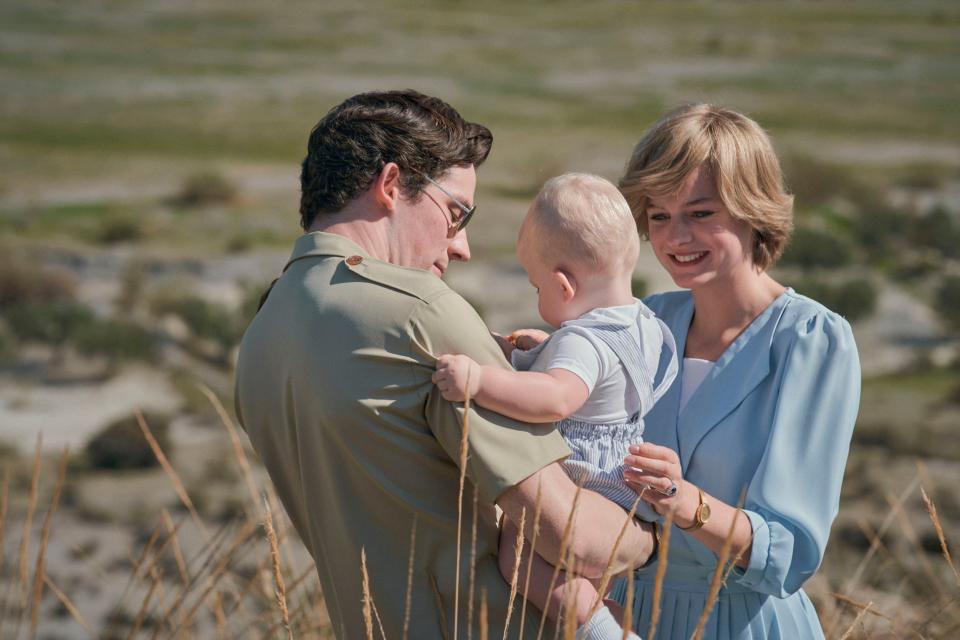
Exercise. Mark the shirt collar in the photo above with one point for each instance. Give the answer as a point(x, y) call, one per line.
point(321, 243)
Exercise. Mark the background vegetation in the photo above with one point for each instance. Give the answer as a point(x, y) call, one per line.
point(148, 194)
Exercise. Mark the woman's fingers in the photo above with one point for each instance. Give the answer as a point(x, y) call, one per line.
point(651, 450)
point(638, 481)
point(651, 465)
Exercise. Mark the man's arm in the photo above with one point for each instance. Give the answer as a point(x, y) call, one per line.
point(596, 525)
point(522, 395)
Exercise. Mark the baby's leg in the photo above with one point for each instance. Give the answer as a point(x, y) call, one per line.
point(569, 589)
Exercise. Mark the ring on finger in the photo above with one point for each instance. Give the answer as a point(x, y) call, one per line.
point(669, 491)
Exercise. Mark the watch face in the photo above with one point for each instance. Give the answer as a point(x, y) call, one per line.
point(704, 512)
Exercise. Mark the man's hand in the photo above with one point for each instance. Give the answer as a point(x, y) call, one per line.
point(454, 373)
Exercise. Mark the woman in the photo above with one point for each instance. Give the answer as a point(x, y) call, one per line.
point(763, 408)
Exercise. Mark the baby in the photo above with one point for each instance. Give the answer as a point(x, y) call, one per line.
point(595, 373)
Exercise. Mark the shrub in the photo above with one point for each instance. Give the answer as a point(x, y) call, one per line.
point(119, 228)
point(639, 286)
point(49, 322)
point(947, 301)
point(853, 299)
point(121, 444)
point(115, 339)
point(20, 283)
point(812, 248)
point(938, 231)
point(208, 320)
point(205, 189)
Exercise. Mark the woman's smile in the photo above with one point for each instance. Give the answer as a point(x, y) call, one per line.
point(687, 259)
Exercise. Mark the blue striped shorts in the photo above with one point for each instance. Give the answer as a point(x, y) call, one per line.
point(597, 453)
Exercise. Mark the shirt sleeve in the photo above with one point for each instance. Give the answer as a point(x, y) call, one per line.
point(502, 451)
point(575, 353)
point(795, 494)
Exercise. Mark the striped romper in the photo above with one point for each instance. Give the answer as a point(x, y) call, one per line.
point(617, 352)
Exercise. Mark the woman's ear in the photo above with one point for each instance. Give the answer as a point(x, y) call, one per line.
point(567, 284)
point(386, 187)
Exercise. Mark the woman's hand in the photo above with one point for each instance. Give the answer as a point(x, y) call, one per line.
point(453, 375)
point(650, 471)
point(526, 339)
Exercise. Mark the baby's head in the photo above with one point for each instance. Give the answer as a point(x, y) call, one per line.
point(579, 235)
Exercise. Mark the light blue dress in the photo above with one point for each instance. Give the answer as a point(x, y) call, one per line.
point(774, 417)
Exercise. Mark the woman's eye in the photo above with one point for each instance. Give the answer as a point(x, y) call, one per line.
point(658, 216)
point(702, 214)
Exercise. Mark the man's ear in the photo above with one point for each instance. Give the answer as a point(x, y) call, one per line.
point(566, 282)
point(386, 187)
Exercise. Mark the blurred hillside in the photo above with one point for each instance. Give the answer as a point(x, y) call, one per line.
point(149, 160)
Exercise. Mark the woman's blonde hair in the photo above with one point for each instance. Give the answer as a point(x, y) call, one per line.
point(739, 156)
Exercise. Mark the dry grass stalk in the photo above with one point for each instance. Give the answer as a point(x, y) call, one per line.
point(219, 616)
point(219, 570)
point(281, 591)
point(484, 621)
point(69, 606)
point(367, 599)
point(438, 602)
point(608, 569)
point(871, 535)
point(40, 569)
point(914, 539)
point(473, 566)
point(515, 573)
point(662, 551)
point(856, 622)
point(168, 468)
point(569, 612)
point(27, 525)
point(376, 616)
point(408, 598)
point(177, 553)
point(932, 510)
point(4, 497)
point(564, 544)
point(238, 451)
point(142, 613)
point(887, 522)
point(533, 549)
point(716, 582)
point(628, 610)
point(464, 450)
point(138, 563)
point(901, 628)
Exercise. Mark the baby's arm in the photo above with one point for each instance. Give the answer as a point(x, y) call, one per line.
point(522, 395)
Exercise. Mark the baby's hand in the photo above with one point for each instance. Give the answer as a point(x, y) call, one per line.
point(453, 374)
point(526, 339)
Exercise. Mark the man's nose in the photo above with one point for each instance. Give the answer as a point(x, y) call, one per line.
point(459, 248)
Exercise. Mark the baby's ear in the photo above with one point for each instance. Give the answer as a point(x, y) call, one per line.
point(566, 282)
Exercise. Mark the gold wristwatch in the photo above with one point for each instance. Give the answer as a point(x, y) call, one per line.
point(701, 515)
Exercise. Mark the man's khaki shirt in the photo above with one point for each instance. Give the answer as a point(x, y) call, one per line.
point(334, 390)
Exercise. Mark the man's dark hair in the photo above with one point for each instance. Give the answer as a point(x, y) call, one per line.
point(425, 136)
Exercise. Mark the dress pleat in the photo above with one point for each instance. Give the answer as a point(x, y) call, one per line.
point(738, 613)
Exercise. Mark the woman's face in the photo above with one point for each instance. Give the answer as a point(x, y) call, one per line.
point(694, 236)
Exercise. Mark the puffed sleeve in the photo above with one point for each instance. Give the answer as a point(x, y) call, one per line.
point(795, 494)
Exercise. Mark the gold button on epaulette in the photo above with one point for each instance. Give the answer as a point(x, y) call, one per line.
point(354, 260)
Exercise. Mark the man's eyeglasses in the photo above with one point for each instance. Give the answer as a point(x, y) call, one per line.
point(460, 222)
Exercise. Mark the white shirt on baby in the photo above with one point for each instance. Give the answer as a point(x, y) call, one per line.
point(612, 396)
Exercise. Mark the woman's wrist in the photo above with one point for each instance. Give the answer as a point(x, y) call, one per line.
point(685, 516)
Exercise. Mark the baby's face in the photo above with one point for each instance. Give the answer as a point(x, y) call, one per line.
point(553, 308)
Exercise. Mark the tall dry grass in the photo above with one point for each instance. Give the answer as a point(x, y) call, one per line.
point(236, 586)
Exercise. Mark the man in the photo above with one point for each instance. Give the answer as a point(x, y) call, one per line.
point(334, 389)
